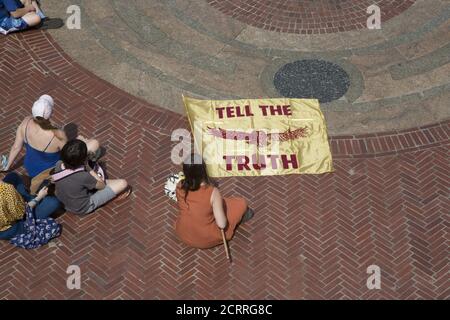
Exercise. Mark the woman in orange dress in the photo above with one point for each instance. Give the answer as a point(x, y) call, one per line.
point(203, 211)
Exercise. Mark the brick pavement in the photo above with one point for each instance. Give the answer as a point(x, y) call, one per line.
point(312, 236)
point(308, 17)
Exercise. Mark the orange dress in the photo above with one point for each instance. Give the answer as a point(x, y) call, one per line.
point(196, 225)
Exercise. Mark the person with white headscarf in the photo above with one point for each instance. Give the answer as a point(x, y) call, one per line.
point(43, 142)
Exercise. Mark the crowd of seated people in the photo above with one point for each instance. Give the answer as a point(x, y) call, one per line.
point(49, 153)
point(68, 164)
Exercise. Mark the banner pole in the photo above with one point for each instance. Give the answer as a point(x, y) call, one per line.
point(225, 244)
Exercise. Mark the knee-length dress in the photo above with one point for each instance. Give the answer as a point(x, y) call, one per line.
point(196, 224)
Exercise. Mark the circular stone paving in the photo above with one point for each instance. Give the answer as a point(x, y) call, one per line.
point(307, 16)
point(316, 79)
point(160, 50)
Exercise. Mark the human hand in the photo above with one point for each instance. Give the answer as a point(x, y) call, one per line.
point(96, 175)
point(42, 193)
point(30, 8)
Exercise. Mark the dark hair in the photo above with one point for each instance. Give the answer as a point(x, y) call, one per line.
point(45, 124)
point(194, 169)
point(74, 154)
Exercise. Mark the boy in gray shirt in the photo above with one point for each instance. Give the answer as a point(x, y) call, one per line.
point(82, 191)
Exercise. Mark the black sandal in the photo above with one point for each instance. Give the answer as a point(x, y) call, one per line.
point(51, 23)
point(247, 215)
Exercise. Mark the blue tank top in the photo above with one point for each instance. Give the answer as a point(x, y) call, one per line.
point(37, 161)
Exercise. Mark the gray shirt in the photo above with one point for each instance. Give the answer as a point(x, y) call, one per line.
point(74, 191)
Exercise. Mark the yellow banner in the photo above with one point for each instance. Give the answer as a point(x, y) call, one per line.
point(260, 137)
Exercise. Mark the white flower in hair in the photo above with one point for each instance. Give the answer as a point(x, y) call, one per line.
point(171, 185)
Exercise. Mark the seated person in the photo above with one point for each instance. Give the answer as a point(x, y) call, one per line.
point(83, 191)
point(43, 142)
point(203, 210)
point(13, 198)
point(18, 15)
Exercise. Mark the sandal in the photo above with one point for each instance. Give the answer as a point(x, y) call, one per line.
point(247, 215)
point(51, 23)
point(125, 194)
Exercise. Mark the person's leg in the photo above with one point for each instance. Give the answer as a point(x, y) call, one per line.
point(112, 190)
point(48, 206)
point(117, 185)
point(36, 5)
point(16, 180)
point(32, 19)
point(100, 198)
point(16, 229)
point(39, 11)
point(92, 144)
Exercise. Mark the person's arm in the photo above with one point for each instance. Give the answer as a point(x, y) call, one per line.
point(219, 212)
point(100, 185)
point(61, 136)
point(17, 146)
point(20, 12)
point(41, 195)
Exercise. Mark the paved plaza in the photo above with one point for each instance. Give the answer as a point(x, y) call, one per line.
point(385, 96)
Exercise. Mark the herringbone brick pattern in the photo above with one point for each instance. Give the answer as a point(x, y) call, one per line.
point(312, 237)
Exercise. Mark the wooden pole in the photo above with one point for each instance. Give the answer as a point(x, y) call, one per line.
point(225, 244)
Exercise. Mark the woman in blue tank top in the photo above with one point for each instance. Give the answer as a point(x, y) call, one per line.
point(43, 141)
point(37, 161)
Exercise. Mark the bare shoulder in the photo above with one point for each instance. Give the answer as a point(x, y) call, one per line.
point(23, 124)
point(25, 121)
